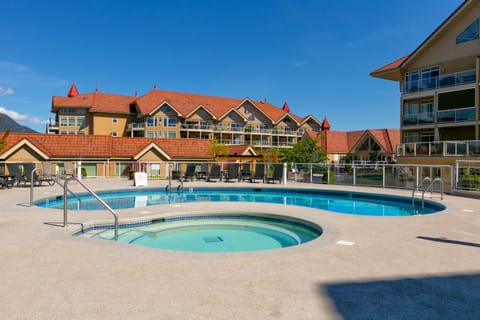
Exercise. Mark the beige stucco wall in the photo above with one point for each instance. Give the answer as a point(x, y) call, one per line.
point(103, 124)
point(445, 52)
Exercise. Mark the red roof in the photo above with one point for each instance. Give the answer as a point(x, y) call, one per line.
point(391, 66)
point(73, 92)
point(346, 141)
point(325, 125)
point(96, 102)
point(94, 146)
point(183, 103)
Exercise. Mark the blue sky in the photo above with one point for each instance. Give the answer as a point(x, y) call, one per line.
point(315, 55)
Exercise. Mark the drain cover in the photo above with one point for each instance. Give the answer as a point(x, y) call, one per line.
point(212, 239)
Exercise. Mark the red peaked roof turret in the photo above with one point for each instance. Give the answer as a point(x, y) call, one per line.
point(325, 124)
point(285, 107)
point(73, 92)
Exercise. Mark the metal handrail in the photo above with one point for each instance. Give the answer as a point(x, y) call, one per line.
point(430, 187)
point(54, 180)
point(418, 188)
point(65, 203)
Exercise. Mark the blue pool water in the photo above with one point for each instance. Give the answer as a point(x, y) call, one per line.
point(336, 201)
point(215, 233)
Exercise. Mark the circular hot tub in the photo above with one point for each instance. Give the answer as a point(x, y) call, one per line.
point(214, 233)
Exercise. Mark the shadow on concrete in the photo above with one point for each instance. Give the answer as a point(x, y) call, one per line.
point(444, 240)
point(443, 297)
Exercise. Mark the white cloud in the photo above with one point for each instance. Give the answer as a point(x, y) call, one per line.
point(25, 76)
point(6, 91)
point(14, 115)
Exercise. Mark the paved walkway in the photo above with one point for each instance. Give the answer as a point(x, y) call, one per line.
point(420, 267)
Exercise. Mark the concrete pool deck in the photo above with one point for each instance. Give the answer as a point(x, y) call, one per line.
point(419, 267)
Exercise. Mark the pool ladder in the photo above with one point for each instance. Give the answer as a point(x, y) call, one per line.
point(429, 188)
point(93, 194)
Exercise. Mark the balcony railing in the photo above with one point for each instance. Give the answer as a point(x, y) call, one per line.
point(246, 130)
point(136, 126)
point(439, 149)
point(442, 81)
point(456, 115)
point(418, 118)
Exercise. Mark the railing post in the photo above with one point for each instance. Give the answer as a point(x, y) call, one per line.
point(31, 184)
point(284, 175)
point(383, 175)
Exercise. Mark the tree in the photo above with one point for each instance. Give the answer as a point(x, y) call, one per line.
point(3, 138)
point(304, 151)
point(218, 150)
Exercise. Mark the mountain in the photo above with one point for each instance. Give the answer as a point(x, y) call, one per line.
point(8, 123)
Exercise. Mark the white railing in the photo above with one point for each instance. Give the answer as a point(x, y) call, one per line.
point(442, 149)
point(442, 81)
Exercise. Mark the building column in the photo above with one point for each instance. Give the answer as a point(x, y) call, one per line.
point(436, 133)
point(477, 99)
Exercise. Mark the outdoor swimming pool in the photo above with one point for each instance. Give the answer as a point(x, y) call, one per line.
point(348, 202)
point(214, 233)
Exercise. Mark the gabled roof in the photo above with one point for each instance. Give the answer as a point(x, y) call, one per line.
point(391, 70)
point(93, 146)
point(346, 141)
point(241, 150)
point(184, 104)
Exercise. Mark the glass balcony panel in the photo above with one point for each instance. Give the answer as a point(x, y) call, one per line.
point(426, 117)
point(436, 148)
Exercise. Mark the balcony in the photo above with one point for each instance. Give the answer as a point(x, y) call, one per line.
point(418, 119)
point(442, 81)
point(53, 127)
point(439, 149)
point(456, 115)
point(136, 126)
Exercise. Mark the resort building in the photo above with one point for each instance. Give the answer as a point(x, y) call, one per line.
point(439, 83)
point(168, 114)
point(371, 145)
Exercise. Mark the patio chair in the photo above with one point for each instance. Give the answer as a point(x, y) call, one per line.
point(14, 171)
point(201, 171)
point(259, 172)
point(214, 173)
point(277, 173)
point(47, 174)
point(189, 172)
point(232, 172)
point(27, 174)
point(245, 173)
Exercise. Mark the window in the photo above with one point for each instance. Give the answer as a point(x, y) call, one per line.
point(471, 33)
point(411, 81)
point(169, 134)
point(151, 122)
point(63, 121)
point(426, 136)
point(71, 121)
point(410, 137)
point(170, 122)
point(430, 78)
point(81, 121)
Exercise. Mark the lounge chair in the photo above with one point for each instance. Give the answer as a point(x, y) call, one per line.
point(245, 173)
point(27, 174)
point(259, 172)
point(67, 171)
point(14, 171)
point(189, 172)
point(214, 173)
point(277, 173)
point(47, 174)
point(232, 172)
point(201, 171)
